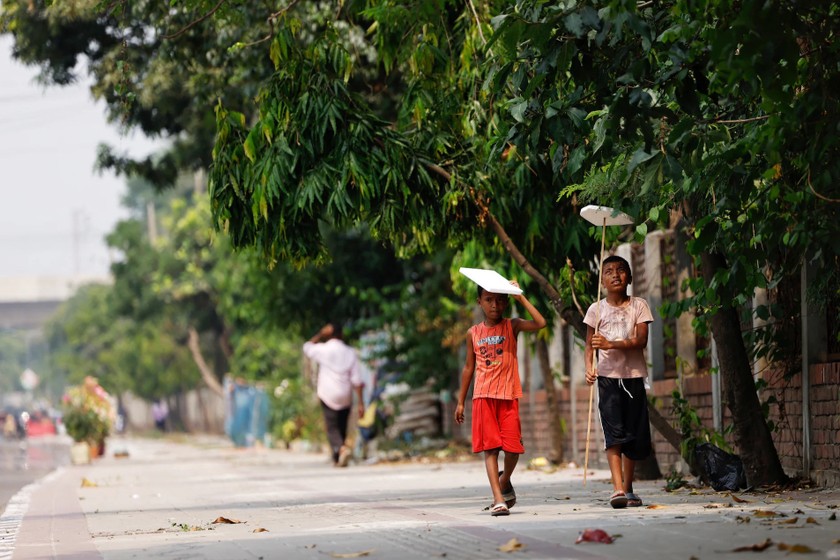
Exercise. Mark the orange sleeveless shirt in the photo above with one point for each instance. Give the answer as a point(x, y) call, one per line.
point(496, 363)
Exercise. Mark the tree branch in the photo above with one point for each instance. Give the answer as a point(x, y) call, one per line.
point(477, 22)
point(576, 321)
point(195, 22)
point(818, 195)
point(206, 373)
point(572, 286)
point(742, 121)
point(279, 13)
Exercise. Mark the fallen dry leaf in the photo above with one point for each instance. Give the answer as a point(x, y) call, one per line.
point(655, 506)
point(743, 519)
point(791, 521)
point(800, 548)
point(832, 517)
point(512, 546)
point(754, 547)
point(260, 530)
point(767, 513)
point(811, 520)
point(227, 521)
point(737, 499)
point(594, 535)
point(351, 554)
point(716, 505)
point(88, 483)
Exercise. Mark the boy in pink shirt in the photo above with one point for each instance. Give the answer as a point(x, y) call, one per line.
point(622, 324)
point(492, 357)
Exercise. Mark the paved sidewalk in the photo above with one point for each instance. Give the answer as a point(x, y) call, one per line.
point(162, 501)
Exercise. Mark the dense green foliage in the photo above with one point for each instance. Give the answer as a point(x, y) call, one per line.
point(716, 117)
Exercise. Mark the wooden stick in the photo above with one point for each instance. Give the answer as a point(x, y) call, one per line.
point(594, 354)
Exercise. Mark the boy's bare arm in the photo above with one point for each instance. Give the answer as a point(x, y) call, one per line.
point(536, 322)
point(588, 356)
point(638, 340)
point(466, 380)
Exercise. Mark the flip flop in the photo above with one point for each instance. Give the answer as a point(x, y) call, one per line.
point(499, 509)
point(618, 500)
point(633, 500)
point(508, 496)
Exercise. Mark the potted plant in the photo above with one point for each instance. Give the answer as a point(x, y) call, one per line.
point(88, 415)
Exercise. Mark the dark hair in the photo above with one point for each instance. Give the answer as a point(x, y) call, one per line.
point(481, 290)
point(621, 261)
point(338, 330)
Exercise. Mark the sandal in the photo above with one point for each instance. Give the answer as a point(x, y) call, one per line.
point(508, 496)
point(618, 499)
point(499, 509)
point(633, 500)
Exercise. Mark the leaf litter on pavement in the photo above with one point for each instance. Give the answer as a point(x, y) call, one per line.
point(512, 546)
point(360, 554)
point(789, 548)
point(227, 521)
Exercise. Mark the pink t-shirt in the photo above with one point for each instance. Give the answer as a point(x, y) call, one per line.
point(338, 371)
point(619, 323)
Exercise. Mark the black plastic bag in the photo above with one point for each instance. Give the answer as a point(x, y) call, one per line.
point(721, 470)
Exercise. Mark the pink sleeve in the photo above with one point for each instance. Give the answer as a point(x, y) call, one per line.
point(356, 378)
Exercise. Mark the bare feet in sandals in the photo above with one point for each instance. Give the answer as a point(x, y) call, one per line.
point(509, 494)
point(499, 509)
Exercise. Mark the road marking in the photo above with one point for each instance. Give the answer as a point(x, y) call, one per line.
point(16, 509)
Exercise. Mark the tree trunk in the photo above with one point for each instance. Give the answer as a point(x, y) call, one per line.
point(555, 454)
point(206, 373)
point(752, 435)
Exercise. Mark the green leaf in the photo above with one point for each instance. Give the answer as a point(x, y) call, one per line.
point(518, 110)
point(640, 156)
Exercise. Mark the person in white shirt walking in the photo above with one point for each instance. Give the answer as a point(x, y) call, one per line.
point(339, 377)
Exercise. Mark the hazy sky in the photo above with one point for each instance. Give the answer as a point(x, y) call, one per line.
point(54, 208)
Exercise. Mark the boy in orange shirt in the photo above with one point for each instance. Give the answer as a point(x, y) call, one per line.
point(492, 357)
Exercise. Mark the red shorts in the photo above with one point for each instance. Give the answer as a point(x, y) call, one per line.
point(495, 424)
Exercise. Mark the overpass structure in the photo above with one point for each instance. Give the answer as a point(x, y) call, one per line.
point(26, 303)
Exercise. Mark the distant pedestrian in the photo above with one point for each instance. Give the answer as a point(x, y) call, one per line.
point(10, 427)
point(622, 324)
point(160, 412)
point(339, 377)
point(492, 357)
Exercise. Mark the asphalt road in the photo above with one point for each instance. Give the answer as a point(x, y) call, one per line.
point(25, 461)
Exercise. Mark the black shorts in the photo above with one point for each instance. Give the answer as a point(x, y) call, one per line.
point(622, 404)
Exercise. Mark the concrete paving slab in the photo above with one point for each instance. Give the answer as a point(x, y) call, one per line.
point(165, 500)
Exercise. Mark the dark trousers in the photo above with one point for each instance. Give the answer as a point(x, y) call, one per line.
point(336, 421)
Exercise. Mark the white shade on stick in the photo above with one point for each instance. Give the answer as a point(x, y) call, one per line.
point(490, 280)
